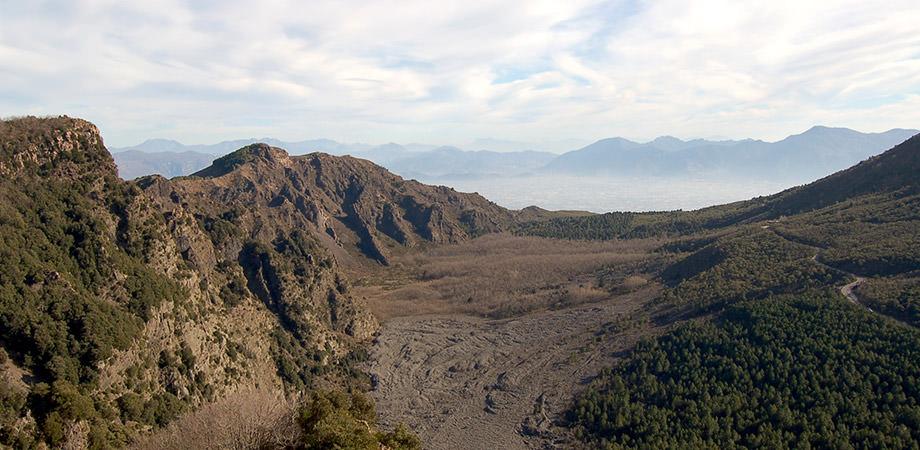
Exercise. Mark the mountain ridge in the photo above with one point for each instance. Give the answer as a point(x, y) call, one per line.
point(125, 304)
point(807, 155)
point(352, 198)
point(804, 156)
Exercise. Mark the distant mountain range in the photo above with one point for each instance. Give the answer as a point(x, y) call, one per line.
point(225, 147)
point(800, 157)
point(171, 158)
point(136, 163)
point(812, 154)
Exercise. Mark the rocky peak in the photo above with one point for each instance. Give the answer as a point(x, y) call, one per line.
point(250, 154)
point(60, 146)
point(353, 202)
point(265, 152)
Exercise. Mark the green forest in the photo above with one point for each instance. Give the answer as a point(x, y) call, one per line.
point(775, 356)
point(807, 371)
point(751, 264)
point(58, 268)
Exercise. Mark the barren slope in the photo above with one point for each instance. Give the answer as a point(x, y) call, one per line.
point(465, 382)
point(516, 335)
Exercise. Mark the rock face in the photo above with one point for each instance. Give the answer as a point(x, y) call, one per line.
point(123, 304)
point(59, 147)
point(349, 200)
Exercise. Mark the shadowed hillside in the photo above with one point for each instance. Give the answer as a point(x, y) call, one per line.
point(124, 305)
point(348, 201)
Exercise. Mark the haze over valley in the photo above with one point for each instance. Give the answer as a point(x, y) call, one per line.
point(612, 174)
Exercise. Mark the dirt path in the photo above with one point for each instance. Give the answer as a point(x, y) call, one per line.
point(847, 291)
point(471, 383)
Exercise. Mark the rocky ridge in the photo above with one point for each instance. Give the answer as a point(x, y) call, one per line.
point(124, 304)
point(349, 200)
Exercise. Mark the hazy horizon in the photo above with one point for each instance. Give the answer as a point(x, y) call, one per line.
point(356, 72)
point(602, 194)
point(473, 144)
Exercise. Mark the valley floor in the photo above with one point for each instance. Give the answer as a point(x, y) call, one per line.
point(462, 380)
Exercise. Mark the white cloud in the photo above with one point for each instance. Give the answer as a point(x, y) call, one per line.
point(452, 71)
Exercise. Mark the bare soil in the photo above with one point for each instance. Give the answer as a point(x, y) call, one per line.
point(463, 379)
point(500, 276)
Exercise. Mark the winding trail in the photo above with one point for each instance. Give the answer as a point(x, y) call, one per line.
point(848, 289)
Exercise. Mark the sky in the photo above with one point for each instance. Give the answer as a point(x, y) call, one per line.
point(442, 72)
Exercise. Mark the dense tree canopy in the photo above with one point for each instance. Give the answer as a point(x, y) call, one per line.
point(779, 358)
point(806, 371)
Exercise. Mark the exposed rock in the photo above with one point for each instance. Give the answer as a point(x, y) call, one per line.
point(60, 146)
point(173, 293)
point(237, 285)
point(334, 195)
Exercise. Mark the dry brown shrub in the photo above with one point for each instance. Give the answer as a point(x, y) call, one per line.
point(256, 418)
point(633, 282)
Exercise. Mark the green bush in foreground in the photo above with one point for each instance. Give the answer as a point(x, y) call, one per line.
point(336, 420)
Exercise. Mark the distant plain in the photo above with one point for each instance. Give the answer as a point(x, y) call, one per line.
point(603, 194)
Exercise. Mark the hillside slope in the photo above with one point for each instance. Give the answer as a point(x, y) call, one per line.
point(124, 304)
point(892, 174)
point(805, 306)
point(347, 201)
point(122, 307)
point(896, 170)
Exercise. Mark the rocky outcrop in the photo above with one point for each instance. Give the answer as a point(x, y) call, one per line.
point(123, 304)
point(353, 201)
point(58, 146)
